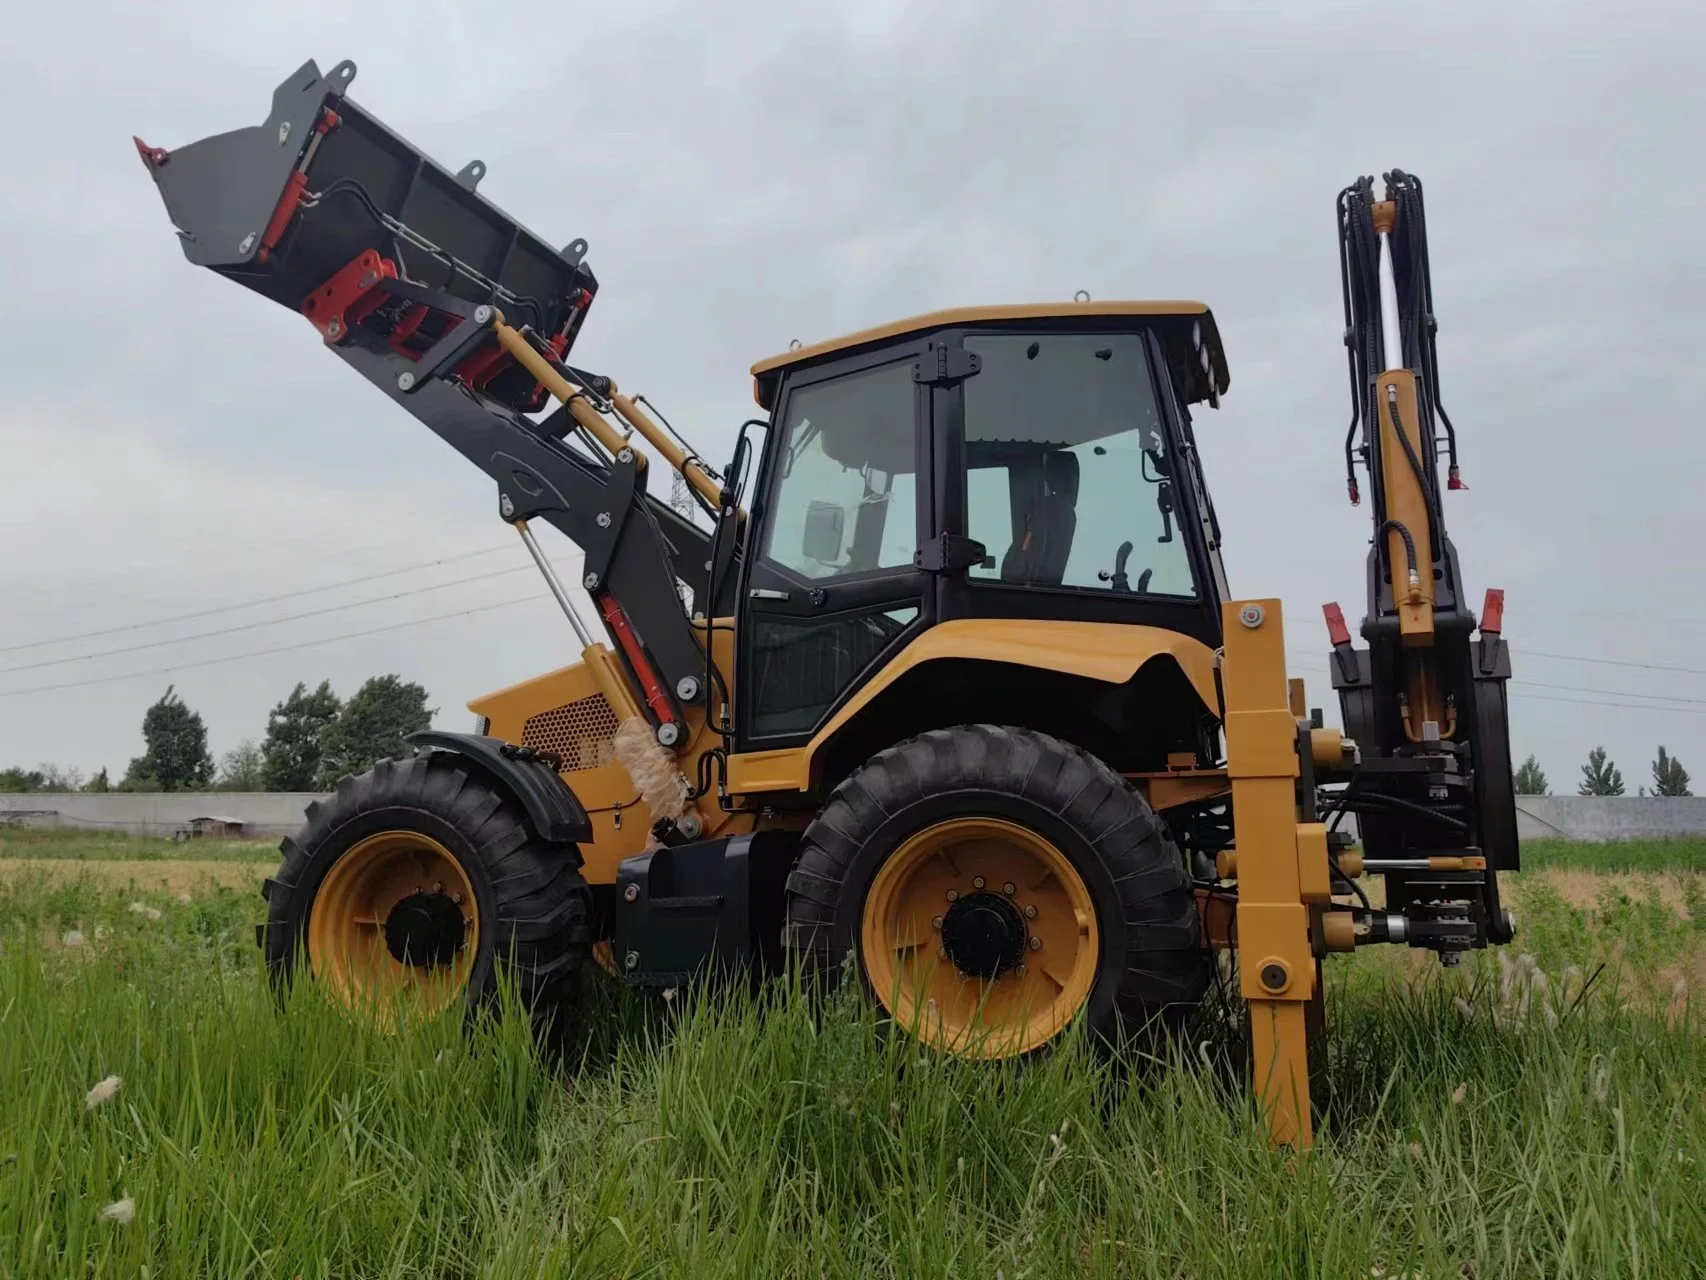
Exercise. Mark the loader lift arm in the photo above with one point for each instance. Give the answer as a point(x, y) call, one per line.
point(325, 210)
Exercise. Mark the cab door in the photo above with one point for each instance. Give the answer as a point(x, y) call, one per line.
point(830, 587)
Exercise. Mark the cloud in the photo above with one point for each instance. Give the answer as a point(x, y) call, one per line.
point(754, 173)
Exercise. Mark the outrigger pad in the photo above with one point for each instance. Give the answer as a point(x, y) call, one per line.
point(282, 208)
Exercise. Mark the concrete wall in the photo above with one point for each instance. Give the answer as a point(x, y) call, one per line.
point(264, 813)
point(280, 813)
point(1610, 817)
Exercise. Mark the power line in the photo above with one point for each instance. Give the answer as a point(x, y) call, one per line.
point(1625, 706)
point(262, 653)
point(249, 604)
point(265, 622)
point(1659, 701)
point(1612, 662)
point(1615, 693)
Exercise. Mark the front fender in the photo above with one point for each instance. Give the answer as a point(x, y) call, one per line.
point(553, 809)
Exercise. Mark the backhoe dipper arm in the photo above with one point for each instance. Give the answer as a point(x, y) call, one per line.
point(1425, 700)
point(463, 317)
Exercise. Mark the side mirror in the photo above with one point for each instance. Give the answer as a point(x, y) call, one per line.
point(825, 522)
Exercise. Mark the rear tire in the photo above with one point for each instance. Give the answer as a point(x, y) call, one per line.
point(426, 878)
point(1015, 798)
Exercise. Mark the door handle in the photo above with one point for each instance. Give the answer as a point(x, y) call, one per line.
point(765, 593)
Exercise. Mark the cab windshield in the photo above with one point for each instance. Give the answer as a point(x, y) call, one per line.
point(1069, 475)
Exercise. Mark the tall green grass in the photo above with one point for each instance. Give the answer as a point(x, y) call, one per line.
point(731, 1136)
point(1682, 853)
point(106, 846)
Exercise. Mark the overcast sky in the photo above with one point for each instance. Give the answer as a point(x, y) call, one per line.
point(750, 174)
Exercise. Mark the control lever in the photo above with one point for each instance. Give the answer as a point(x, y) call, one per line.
point(1118, 577)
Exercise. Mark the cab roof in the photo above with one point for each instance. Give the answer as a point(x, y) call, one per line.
point(1178, 323)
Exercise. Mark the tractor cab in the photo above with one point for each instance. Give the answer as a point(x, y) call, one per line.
point(1023, 463)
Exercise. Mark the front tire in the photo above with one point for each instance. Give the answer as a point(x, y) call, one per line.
point(419, 883)
point(995, 883)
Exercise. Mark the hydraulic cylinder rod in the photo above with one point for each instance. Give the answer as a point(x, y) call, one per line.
point(556, 585)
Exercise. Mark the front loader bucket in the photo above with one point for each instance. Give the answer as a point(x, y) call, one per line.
point(322, 205)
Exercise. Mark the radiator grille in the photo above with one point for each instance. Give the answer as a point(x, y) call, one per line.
point(581, 732)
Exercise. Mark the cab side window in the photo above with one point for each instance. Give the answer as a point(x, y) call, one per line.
point(1070, 481)
point(846, 491)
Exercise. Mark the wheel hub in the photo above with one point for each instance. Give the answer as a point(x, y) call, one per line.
point(425, 931)
point(984, 935)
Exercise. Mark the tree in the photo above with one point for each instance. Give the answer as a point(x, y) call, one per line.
point(374, 724)
point(53, 778)
point(16, 780)
point(99, 782)
point(296, 729)
point(1600, 777)
point(176, 756)
point(1669, 777)
point(1530, 779)
point(242, 767)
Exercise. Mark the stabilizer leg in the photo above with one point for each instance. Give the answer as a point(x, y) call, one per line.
point(1276, 961)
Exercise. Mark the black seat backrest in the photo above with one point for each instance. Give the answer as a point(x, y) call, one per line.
point(1044, 496)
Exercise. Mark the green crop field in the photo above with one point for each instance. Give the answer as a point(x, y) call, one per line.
point(1541, 1115)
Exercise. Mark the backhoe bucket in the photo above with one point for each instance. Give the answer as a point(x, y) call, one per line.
point(325, 210)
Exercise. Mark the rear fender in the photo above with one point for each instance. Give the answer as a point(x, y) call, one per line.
point(1109, 653)
point(554, 811)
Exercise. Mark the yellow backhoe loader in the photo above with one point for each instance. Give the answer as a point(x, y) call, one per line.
point(943, 673)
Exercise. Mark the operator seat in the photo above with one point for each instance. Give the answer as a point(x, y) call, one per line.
point(1043, 491)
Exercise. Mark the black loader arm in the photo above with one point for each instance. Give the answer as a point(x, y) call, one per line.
point(461, 316)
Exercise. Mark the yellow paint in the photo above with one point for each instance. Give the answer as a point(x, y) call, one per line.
point(346, 925)
point(900, 943)
point(691, 469)
point(1109, 652)
point(978, 315)
point(1314, 878)
point(559, 386)
point(1273, 922)
point(1180, 786)
point(620, 821)
point(1406, 502)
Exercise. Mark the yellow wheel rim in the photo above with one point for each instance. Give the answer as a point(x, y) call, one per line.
point(394, 925)
point(980, 937)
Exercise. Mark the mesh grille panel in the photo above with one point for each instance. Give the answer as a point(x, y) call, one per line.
point(581, 732)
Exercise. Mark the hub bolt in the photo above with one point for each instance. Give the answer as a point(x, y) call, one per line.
point(941, 953)
point(977, 882)
point(1031, 912)
point(1009, 888)
point(936, 923)
point(953, 895)
point(1021, 970)
point(1036, 943)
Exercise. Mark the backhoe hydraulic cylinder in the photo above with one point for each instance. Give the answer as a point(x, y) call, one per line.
point(1391, 335)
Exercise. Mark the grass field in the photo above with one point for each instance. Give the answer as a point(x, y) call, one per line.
point(1485, 1122)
